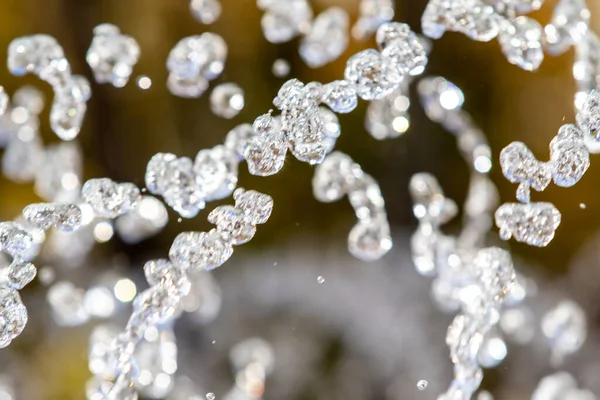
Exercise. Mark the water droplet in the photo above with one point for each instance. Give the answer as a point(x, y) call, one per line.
point(281, 68)
point(179, 220)
point(422, 384)
point(144, 82)
point(320, 279)
point(582, 206)
point(210, 396)
point(214, 341)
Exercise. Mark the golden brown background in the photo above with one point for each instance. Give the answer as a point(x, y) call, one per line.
point(125, 127)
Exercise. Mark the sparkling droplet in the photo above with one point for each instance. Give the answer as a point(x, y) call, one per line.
point(13, 315)
point(532, 223)
point(206, 11)
point(66, 217)
point(227, 100)
point(20, 274)
point(582, 206)
point(568, 26)
point(232, 221)
point(327, 38)
point(110, 199)
point(402, 46)
point(216, 172)
point(320, 279)
point(422, 384)
point(374, 76)
point(372, 13)
point(210, 396)
point(588, 118)
point(256, 206)
point(520, 39)
point(285, 20)
point(112, 55)
point(237, 137)
point(340, 96)
point(473, 18)
point(199, 251)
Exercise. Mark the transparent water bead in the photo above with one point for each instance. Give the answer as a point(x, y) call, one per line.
point(340, 96)
point(372, 13)
point(149, 218)
point(163, 273)
point(154, 306)
point(227, 100)
point(232, 222)
point(565, 328)
point(265, 154)
point(532, 223)
point(20, 274)
point(422, 384)
point(200, 55)
point(568, 26)
point(216, 172)
point(199, 251)
point(206, 11)
point(187, 87)
point(519, 165)
point(69, 107)
point(570, 156)
point(494, 271)
point(175, 180)
point(399, 44)
point(237, 137)
point(388, 118)
point(112, 55)
point(327, 38)
point(37, 54)
point(284, 20)
point(334, 177)
point(373, 76)
point(13, 315)
point(66, 217)
point(110, 199)
point(588, 118)
point(15, 239)
point(256, 206)
point(370, 240)
point(521, 42)
point(210, 396)
point(473, 18)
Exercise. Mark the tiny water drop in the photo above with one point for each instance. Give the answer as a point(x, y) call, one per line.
point(320, 279)
point(210, 396)
point(422, 384)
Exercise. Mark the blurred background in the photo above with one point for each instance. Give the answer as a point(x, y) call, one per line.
point(368, 331)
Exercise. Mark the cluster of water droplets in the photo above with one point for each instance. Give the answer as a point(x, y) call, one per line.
point(339, 176)
point(193, 62)
point(170, 282)
point(535, 223)
point(43, 56)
